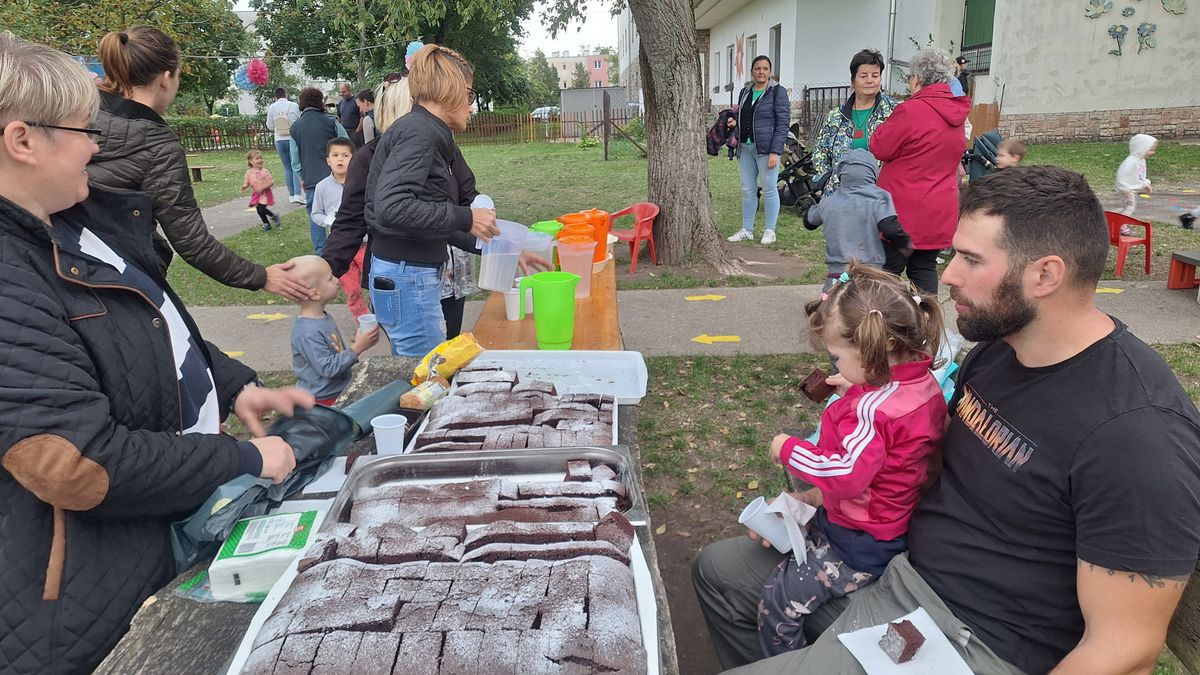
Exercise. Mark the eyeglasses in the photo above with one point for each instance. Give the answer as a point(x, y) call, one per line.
point(92, 132)
point(393, 78)
point(472, 96)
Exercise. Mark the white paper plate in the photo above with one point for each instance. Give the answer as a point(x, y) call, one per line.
point(936, 657)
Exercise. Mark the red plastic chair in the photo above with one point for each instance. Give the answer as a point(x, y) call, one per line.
point(643, 214)
point(1123, 242)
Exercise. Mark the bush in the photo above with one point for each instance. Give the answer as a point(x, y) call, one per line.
point(588, 141)
point(636, 129)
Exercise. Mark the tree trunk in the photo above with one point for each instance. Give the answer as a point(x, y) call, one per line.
point(675, 125)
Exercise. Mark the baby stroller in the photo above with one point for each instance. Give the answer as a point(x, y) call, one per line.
point(799, 186)
point(980, 160)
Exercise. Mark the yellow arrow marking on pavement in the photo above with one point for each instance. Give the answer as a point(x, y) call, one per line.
point(707, 339)
point(1188, 190)
point(710, 296)
point(1110, 290)
point(267, 317)
point(234, 355)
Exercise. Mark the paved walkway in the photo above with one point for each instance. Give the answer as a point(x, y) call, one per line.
point(230, 218)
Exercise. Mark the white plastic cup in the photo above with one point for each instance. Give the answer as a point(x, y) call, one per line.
point(528, 295)
point(389, 433)
point(366, 322)
point(769, 526)
point(512, 304)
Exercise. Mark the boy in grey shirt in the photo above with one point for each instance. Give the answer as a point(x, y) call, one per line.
point(320, 358)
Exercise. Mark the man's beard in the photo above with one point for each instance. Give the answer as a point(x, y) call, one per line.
point(1008, 312)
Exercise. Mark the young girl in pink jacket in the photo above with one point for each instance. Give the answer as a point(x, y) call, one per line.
point(872, 455)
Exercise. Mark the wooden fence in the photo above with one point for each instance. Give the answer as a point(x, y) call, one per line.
point(485, 129)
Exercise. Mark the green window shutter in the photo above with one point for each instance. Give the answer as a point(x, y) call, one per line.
point(977, 25)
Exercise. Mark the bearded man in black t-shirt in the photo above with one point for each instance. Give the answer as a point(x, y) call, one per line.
point(1065, 523)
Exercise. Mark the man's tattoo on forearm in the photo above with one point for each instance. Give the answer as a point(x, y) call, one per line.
point(1149, 579)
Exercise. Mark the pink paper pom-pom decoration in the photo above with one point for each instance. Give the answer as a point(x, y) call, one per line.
point(257, 73)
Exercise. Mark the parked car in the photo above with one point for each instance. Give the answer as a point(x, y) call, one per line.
point(545, 112)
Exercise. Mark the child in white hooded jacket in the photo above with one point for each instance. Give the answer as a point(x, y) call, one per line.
point(1131, 175)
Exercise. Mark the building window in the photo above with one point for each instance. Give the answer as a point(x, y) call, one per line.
point(977, 35)
point(564, 85)
point(773, 48)
point(751, 52)
point(597, 65)
point(564, 66)
point(716, 71)
point(729, 65)
point(597, 84)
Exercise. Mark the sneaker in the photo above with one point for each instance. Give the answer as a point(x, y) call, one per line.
point(768, 238)
point(1188, 221)
point(741, 235)
point(275, 219)
point(266, 227)
point(296, 199)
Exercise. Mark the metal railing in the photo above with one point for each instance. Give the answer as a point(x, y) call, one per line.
point(815, 104)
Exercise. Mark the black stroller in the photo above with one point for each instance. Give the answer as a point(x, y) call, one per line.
point(799, 186)
point(980, 160)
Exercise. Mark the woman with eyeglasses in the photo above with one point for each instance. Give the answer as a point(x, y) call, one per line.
point(850, 125)
point(111, 402)
point(416, 204)
point(138, 151)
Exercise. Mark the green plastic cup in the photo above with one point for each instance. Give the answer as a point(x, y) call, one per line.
point(554, 295)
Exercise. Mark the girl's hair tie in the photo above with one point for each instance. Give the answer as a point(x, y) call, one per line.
point(875, 311)
point(917, 299)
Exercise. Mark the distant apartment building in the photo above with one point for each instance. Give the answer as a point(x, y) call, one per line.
point(564, 64)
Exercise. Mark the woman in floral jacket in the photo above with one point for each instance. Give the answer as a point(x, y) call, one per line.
point(851, 124)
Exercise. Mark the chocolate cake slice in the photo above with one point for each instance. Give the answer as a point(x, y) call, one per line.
point(552, 416)
point(297, 654)
point(536, 385)
point(376, 654)
point(449, 446)
point(615, 529)
point(510, 532)
point(262, 660)
point(483, 388)
point(462, 651)
point(586, 489)
point(449, 436)
point(474, 375)
point(337, 649)
point(565, 550)
point(901, 641)
point(814, 386)
point(578, 470)
point(418, 654)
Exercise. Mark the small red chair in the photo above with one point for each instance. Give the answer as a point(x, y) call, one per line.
point(643, 214)
point(1123, 242)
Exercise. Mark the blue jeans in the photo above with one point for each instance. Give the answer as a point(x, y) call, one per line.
point(315, 232)
point(411, 313)
point(290, 179)
point(752, 168)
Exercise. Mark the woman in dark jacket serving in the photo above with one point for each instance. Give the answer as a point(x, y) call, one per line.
point(920, 146)
point(110, 400)
point(414, 205)
point(762, 127)
point(138, 151)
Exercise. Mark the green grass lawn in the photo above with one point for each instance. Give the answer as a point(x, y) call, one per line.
point(221, 183)
point(538, 181)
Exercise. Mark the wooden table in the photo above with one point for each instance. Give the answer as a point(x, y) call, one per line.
point(173, 634)
point(597, 325)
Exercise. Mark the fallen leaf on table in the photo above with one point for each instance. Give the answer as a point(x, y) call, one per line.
point(752, 485)
point(661, 529)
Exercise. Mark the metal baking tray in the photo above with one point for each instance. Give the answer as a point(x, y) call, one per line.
point(454, 467)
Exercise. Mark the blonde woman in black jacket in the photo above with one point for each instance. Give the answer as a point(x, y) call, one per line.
point(138, 151)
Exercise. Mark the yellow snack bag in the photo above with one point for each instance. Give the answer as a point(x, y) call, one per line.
point(448, 357)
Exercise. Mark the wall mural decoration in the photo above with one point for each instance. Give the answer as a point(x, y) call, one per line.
point(1146, 39)
point(1118, 33)
point(1095, 8)
point(1175, 6)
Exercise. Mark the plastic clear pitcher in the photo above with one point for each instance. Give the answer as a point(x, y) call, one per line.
point(600, 222)
point(554, 295)
point(540, 244)
point(498, 264)
point(575, 256)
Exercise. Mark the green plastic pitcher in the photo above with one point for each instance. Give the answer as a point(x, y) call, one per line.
point(554, 295)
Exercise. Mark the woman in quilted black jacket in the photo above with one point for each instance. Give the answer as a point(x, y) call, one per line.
point(110, 401)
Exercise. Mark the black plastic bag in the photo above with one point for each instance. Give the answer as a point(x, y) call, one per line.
point(316, 435)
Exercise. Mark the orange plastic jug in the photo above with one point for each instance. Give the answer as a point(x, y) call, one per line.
point(577, 230)
point(573, 219)
point(600, 221)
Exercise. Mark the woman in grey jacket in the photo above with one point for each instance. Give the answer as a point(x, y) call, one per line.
point(138, 151)
point(762, 122)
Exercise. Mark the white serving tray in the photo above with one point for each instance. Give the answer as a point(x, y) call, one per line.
point(643, 588)
point(412, 444)
point(619, 374)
